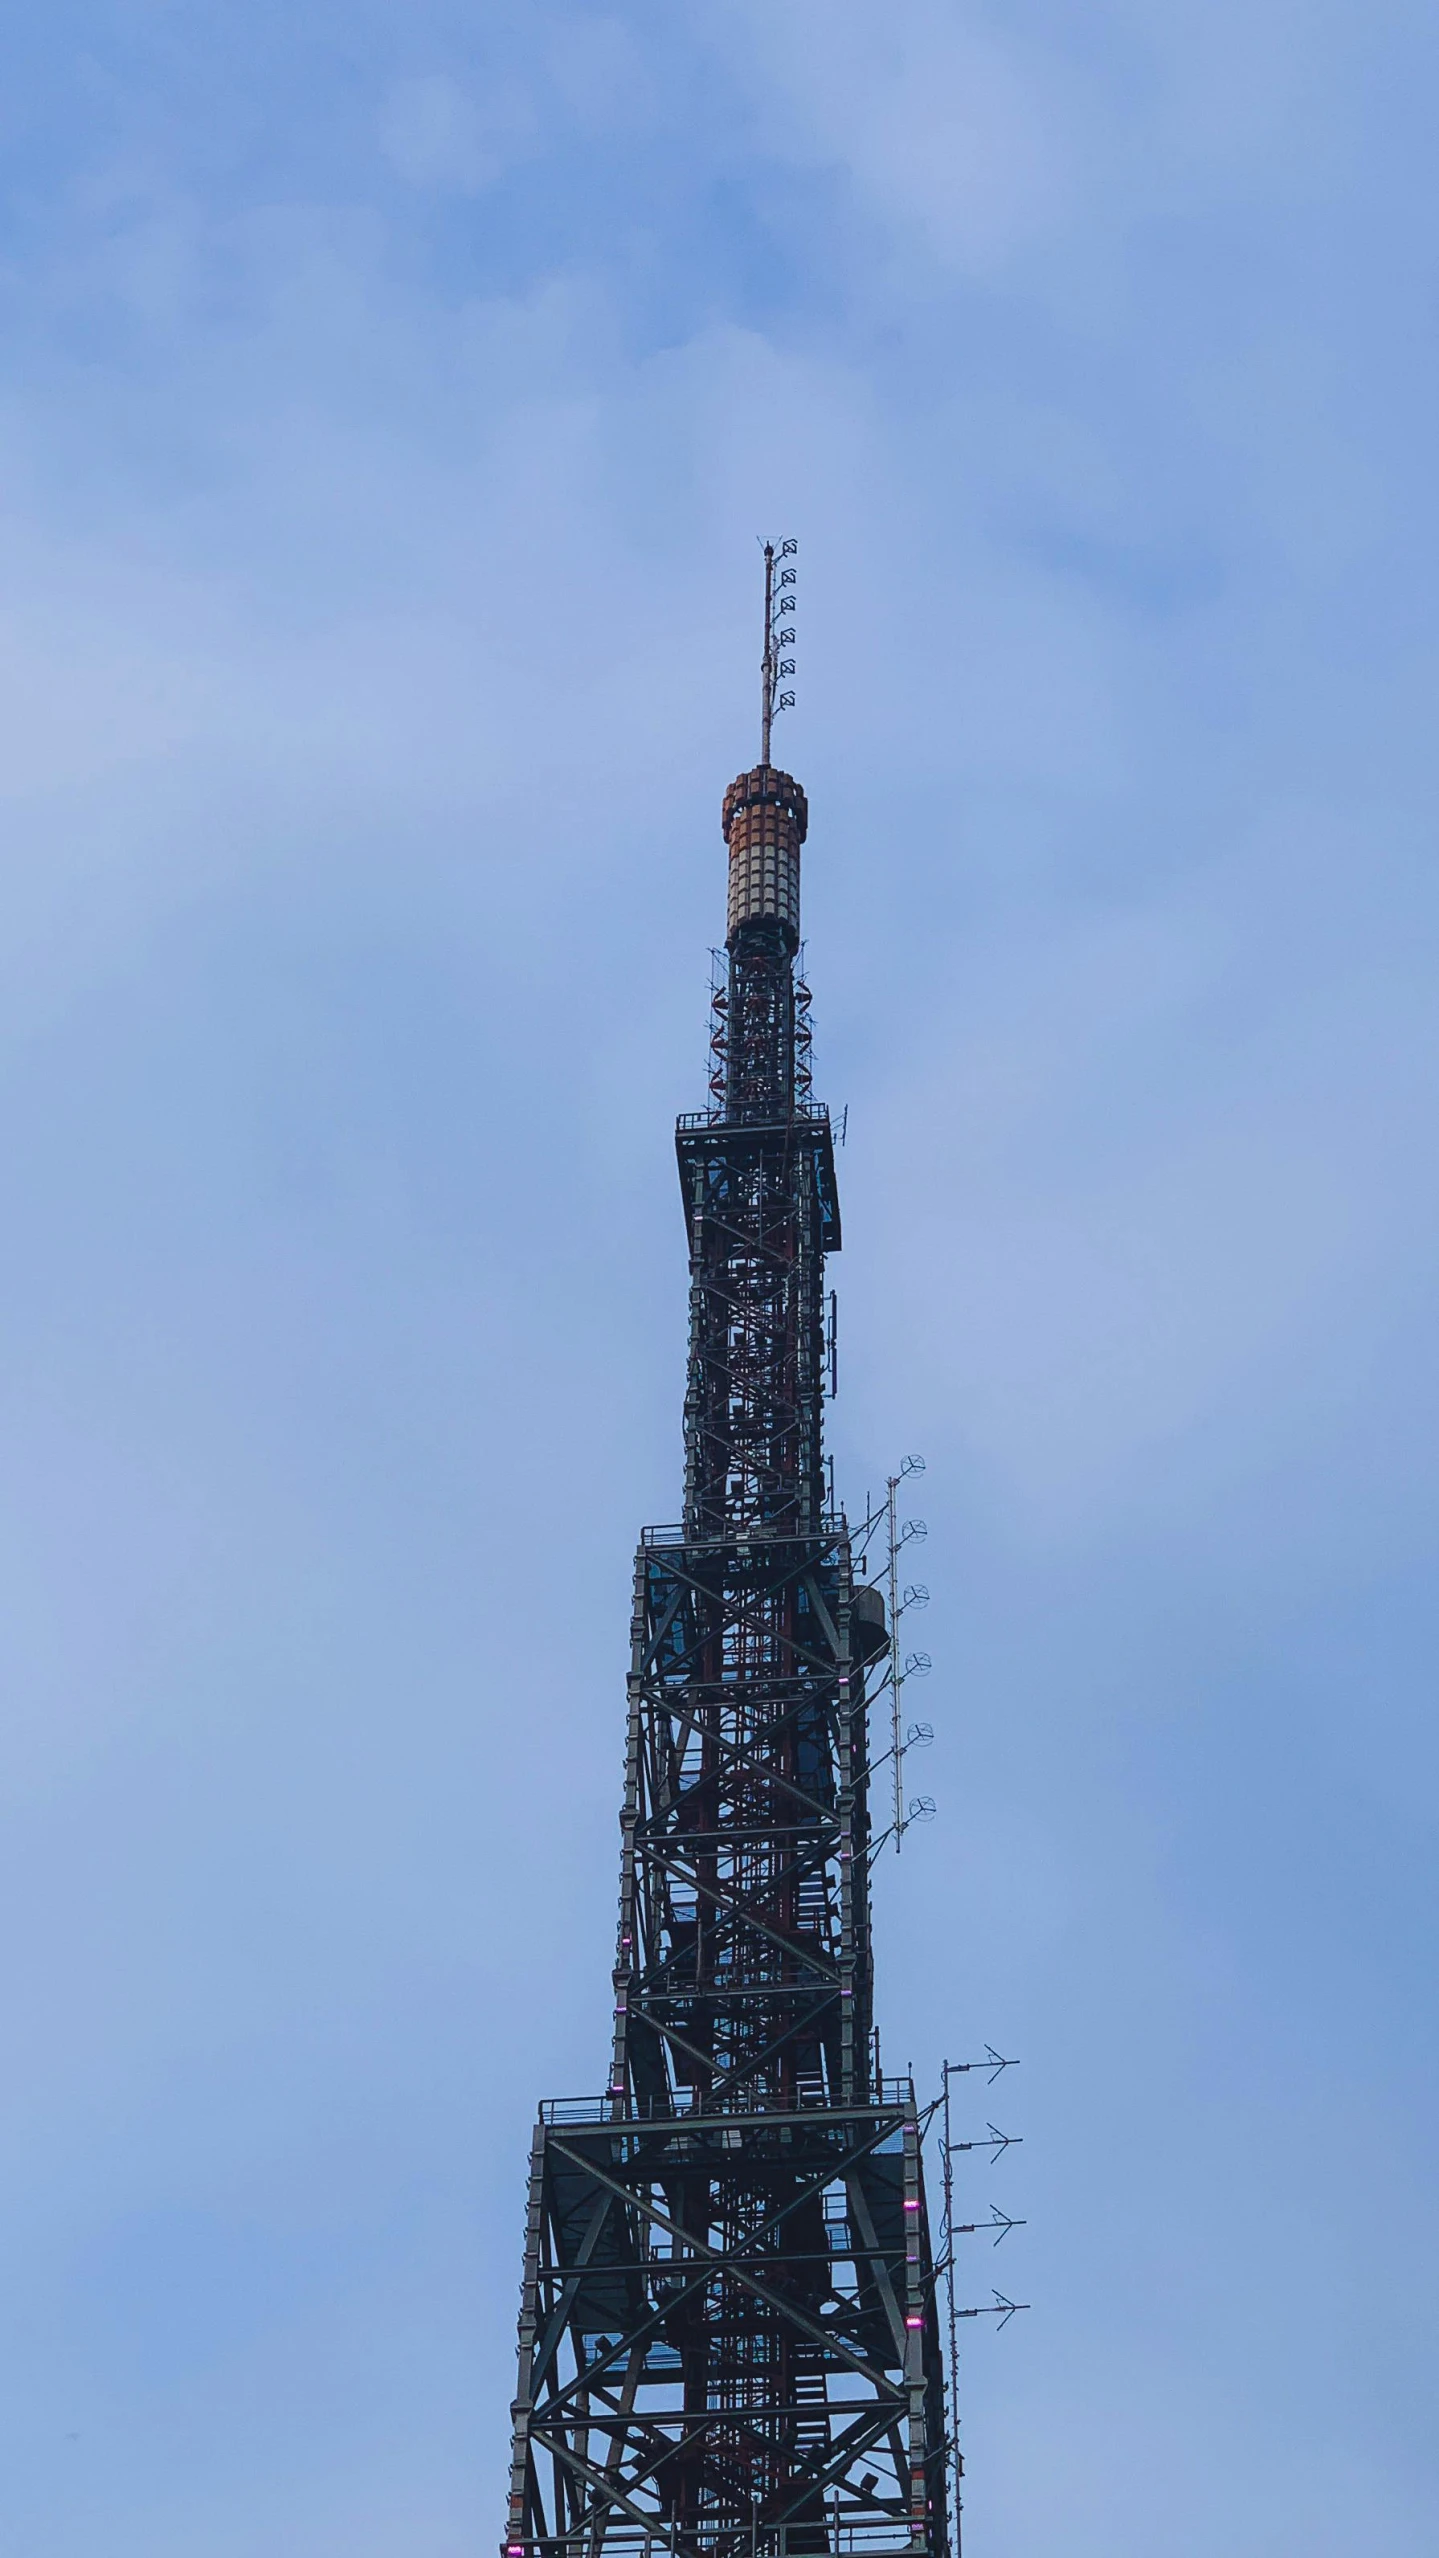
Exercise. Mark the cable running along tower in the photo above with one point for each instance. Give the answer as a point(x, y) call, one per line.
point(729, 2345)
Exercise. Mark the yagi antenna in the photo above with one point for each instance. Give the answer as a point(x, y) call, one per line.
point(779, 585)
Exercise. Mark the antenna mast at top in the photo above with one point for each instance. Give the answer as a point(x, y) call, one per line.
point(779, 583)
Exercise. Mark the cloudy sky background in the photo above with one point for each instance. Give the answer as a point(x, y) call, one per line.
point(389, 401)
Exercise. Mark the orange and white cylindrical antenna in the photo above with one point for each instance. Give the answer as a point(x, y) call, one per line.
point(765, 813)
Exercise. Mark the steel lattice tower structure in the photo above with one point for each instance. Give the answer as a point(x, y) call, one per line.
point(729, 2345)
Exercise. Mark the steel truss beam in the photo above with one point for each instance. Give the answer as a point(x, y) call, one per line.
point(653, 2241)
point(745, 1822)
point(728, 2340)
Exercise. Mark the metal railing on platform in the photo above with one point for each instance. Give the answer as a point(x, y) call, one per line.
point(890, 2094)
point(810, 1113)
point(833, 1524)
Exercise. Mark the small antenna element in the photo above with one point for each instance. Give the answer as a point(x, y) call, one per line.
point(779, 600)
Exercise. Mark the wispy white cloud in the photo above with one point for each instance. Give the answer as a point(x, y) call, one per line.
point(438, 133)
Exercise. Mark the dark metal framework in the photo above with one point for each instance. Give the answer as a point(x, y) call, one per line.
point(728, 2334)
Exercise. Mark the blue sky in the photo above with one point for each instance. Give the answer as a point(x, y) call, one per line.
point(389, 401)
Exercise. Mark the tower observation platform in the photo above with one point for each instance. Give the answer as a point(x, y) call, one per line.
point(729, 2344)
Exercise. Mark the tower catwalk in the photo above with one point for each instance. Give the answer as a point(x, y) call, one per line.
point(728, 2331)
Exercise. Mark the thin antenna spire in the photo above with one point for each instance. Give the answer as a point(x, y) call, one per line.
point(767, 667)
point(779, 584)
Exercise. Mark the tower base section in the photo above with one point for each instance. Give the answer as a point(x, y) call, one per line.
point(728, 2340)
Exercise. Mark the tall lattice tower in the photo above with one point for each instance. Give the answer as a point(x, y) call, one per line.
point(728, 2333)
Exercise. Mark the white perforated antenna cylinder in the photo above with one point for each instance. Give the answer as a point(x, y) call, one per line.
point(765, 820)
point(763, 882)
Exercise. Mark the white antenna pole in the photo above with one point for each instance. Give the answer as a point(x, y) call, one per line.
point(779, 594)
point(767, 665)
point(896, 1657)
